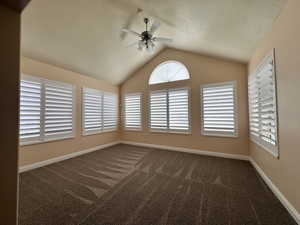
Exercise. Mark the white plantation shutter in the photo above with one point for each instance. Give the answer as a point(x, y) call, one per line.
point(59, 110)
point(110, 111)
point(253, 106)
point(30, 110)
point(158, 110)
point(46, 110)
point(219, 109)
point(179, 110)
point(92, 111)
point(133, 111)
point(263, 106)
point(169, 110)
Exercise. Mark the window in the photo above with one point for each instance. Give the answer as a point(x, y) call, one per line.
point(110, 111)
point(47, 110)
point(169, 110)
point(263, 106)
point(30, 110)
point(159, 110)
point(92, 111)
point(100, 111)
point(133, 111)
point(219, 116)
point(169, 71)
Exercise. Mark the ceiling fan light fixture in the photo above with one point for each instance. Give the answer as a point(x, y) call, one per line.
point(147, 39)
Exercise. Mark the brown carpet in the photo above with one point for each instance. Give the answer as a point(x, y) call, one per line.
point(142, 186)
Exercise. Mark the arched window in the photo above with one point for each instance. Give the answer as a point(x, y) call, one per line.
point(169, 71)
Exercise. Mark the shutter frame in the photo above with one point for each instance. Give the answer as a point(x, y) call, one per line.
point(188, 118)
point(93, 93)
point(267, 64)
point(44, 138)
point(110, 125)
point(133, 127)
point(38, 137)
point(167, 127)
point(61, 85)
point(164, 128)
point(216, 94)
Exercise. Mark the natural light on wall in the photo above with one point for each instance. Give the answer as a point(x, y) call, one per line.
point(169, 71)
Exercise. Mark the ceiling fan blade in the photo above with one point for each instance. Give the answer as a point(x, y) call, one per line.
point(129, 22)
point(140, 45)
point(150, 49)
point(131, 32)
point(151, 44)
point(132, 44)
point(163, 40)
point(154, 27)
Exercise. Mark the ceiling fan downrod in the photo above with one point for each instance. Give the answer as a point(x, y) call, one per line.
point(145, 35)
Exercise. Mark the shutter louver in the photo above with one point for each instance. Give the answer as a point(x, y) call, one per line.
point(92, 111)
point(158, 110)
point(110, 112)
point(218, 109)
point(133, 111)
point(58, 110)
point(263, 106)
point(30, 110)
point(179, 110)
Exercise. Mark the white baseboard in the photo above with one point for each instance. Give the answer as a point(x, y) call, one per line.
point(189, 150)
point(64, 157)
point(291, 209)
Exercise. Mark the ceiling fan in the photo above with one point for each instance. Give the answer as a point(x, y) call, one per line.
point(147, 40)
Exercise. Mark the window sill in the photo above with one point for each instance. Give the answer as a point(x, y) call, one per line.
point(171, 132)
point(97, 133)
point(220, 135)
point(275, 155)
point(45, 141)
point(133, 129)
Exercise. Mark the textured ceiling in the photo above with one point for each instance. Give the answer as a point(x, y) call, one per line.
point(84, 36)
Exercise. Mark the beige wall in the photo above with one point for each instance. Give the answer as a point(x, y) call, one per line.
point(9, 91)
point(285, 38)
point(203, 70)
point(39, 152)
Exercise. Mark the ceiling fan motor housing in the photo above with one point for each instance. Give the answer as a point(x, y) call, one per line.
point(146, 36)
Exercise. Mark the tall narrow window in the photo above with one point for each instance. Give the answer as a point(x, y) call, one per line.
point(59, 110)
point(47, 110)
point(92, 111)
point(179, 110)
point(263, 106)
point(133, 111)
point(100, 111)
point(169, 110)
point(110, 111)
point(219, 109)
point(159, 110)
point(30, 110)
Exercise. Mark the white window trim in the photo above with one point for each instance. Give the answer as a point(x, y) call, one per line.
point(273, 150)
point(171, 131)
point(220, 134)
point(43, 138)
point(124, 111)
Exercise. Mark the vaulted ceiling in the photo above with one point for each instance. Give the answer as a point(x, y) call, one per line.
point(85, 36)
